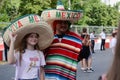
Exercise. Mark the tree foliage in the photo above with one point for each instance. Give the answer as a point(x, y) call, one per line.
point(33, 6)
point(9, 9)
point(95, 13)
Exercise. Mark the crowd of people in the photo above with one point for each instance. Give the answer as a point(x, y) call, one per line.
point(48, 50)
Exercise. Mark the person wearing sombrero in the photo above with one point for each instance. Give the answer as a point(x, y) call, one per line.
point(26, 37)
point(61, 56)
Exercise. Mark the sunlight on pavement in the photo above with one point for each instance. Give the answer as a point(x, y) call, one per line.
point(3, 62)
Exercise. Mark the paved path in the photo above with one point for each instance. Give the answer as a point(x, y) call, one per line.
point(101, 63)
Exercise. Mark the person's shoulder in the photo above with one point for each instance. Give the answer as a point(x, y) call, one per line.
point(91, 34)
point(84, 34)
point(39, 51)
point(74, 34)
point(113, 39)
point(101, 32)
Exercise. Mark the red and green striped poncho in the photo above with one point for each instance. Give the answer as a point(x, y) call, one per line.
point(61, 58)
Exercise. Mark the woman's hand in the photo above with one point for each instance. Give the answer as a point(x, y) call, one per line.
point(12, 37)
point(11, 58)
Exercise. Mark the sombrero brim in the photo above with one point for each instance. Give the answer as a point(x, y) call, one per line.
point(55, 14)
point(42, 28)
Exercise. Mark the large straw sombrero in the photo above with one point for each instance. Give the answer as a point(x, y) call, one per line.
point(61, 14)
point(29, 24)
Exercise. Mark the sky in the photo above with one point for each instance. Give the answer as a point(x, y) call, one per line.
point(111, 2)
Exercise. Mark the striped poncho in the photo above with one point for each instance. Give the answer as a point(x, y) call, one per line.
point(61, 59)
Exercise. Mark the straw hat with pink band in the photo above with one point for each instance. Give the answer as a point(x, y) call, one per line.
point(60, 13)
point(29, 24)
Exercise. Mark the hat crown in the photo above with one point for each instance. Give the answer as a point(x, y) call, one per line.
point(26, 24)
point(60, 5)
point(61, 14)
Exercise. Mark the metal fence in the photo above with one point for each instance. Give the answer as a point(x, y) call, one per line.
point(78, 28)
point(97, 29)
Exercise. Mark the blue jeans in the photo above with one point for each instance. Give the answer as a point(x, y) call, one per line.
point(29, 79)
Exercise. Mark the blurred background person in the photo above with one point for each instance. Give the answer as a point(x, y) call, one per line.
point(86, 54)
point(92, 38)
point(84, 32)
point(103, 37)
point(113, 41)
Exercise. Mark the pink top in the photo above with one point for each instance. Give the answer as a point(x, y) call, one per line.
point(30, 64)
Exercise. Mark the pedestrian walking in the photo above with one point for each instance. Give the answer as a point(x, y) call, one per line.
point(83, 34)
point(26, 42)
point(92, 38)
point(62, 55)
point(103, 38)
point(86, 54)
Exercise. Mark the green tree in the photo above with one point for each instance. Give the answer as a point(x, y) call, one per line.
point(33, 6)
point(3, 13)
point(117, 6)
point(9, 8)
point(96, 13)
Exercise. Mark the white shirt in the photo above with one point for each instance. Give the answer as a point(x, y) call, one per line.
point(92, 36)
point(103, 35)
point(30, 64)
point(113, 44)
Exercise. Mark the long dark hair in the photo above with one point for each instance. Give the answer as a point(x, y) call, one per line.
point(114, 72)
point(23, 45)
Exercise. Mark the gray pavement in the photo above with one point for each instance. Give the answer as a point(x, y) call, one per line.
point(101, 63)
